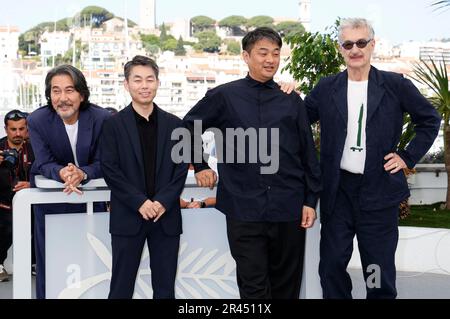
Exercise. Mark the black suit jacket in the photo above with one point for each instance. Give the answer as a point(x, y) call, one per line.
point(389, 97)
point(123, 169)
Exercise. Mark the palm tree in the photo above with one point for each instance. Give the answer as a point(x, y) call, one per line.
point(435, 77)
point(441, 4)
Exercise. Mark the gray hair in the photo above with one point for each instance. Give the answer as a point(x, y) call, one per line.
point(355, 23)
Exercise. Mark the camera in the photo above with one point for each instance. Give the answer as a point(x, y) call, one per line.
point(10, 157)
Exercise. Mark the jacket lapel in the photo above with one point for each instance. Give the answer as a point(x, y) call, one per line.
point(340, 95)
point(375, 92)
point(84, 139)
point(161, 137)
point(63, 148)
point(131, 128)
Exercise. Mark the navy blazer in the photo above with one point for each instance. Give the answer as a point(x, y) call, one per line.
point(123, 168)
point(390, 95)
point(52, 148)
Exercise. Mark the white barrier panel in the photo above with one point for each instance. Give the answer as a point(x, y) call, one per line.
point(78, 251)
point(78, 256)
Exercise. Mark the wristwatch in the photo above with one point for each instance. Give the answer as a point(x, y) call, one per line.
point(202, 204)
point(85, 177)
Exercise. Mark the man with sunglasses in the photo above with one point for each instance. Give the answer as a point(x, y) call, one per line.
point(361, 113)
point(16, 157)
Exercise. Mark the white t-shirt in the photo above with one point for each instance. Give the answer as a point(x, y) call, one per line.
point(72, 133)
point(354, 155)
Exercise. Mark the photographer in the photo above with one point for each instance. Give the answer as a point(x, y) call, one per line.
point(16, 157)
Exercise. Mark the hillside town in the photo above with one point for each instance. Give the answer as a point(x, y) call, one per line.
point(100, 49)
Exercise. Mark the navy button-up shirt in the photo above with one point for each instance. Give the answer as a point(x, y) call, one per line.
point(243, 192)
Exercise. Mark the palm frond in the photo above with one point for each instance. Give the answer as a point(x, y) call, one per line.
point(435, 77)
point(439, 5)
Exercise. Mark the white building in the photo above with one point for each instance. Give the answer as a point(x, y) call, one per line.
point(305, 14)
point(109, 50)
point(434, 50)
point(9, 43)
point(181, 28)
point(147, 19)
point(383, 48)
point(54, 43)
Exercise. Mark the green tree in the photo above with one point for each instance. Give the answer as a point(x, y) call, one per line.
point(95, 15)
point(435, 77)
point(313, 56)
point(163, 33)
point(29, 40)
point(202, 23)
point(151, 44)
point(260, 21)
point(235, 24)
point(180, 50)
point(150, 39)
point(170, 44)
point(208, 41)
point(289, 28)
point(233, 47)
point(64, 24)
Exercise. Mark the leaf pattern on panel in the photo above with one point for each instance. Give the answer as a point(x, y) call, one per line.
point(201, 274)
point(203, 268)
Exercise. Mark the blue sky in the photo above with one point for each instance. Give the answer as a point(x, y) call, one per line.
point(396, 20)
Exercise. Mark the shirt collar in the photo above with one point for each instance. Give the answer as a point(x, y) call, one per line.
point(253, 83)
point(151, 118)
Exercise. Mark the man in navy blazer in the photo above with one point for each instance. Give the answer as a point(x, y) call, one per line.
point(145, 185)
point(361, 114)
point(64, 135)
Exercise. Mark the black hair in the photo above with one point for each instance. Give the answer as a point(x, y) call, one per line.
point(248, 42)
point(140, 60)
point(79, 82)
point(15, 115)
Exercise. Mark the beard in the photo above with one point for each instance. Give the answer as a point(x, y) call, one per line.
point(17, 141)
point(66, 111)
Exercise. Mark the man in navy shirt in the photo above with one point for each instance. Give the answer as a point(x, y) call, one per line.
point(267, 205)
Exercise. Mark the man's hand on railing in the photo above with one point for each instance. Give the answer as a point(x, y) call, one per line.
point(72, 177)
point(21, 185)
point(206, 178)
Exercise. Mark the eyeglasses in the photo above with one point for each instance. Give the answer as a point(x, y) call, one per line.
point(16, 116)
point(361, 43)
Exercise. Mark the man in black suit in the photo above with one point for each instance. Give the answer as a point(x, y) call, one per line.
point(361, 114)
point(145, 185)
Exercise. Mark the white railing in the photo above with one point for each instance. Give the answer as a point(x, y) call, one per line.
point(204, 242)
point(22, 226)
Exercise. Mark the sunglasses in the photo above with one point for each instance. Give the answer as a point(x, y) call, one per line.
point(16, 116)
point(361, 43)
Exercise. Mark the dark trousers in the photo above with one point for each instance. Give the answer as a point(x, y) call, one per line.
point(377, 235)
point(269, 258)
point(6, 235)
point(126, 259)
